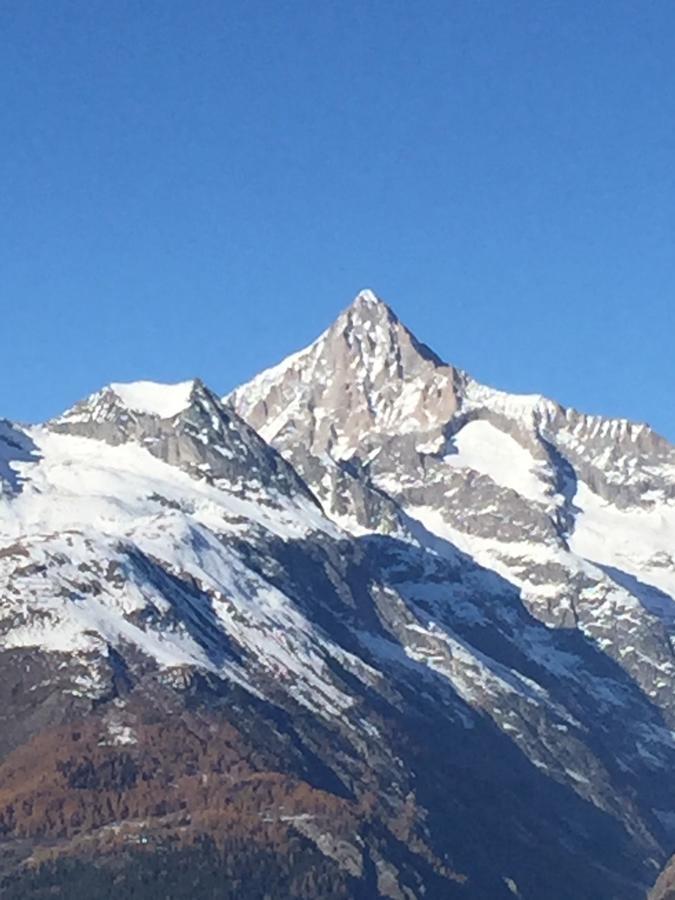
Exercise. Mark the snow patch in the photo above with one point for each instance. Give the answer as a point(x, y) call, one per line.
point(484, 448)
point(154, 399)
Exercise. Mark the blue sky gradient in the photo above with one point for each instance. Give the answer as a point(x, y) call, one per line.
point(199, 188)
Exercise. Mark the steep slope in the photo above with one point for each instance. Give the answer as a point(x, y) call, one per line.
point(365, 375)
point(130, 539)
point(577, 512)
point(187, 426)
point(337, 635)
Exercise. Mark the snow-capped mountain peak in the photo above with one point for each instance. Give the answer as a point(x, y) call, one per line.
point(155, 399)
point(479, 609)
point(376, 421)
point(188, 426)
point(367, 310)
point(366, 373)
point(374, 332)
point(136, 398)
point(368, 299)
point(367, 379)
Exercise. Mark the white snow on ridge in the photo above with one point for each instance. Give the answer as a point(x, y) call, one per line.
point(368, 297)
point(154, 398)
point(525, 408)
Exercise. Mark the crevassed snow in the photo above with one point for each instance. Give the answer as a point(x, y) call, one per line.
point(154, 398)
point(483, 447)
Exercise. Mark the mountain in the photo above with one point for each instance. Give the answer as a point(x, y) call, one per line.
point(362, 628)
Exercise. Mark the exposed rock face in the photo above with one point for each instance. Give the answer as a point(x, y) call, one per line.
point(576, 511)
point(366, 375)
point(205, 438)
point(15, 447)
point(449, 676)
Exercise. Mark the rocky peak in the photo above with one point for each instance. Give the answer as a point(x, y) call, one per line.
point(366, 314)
point(134, 400)
point(366, 374)
point(186, 425)
point(375, 338)
point(367, 382)
point(367, 305)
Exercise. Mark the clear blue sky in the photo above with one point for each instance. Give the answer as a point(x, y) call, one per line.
point(199, 187)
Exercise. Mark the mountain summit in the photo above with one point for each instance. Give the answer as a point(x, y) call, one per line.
point(366, 373)
point(365, 628)
point(367, 382)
